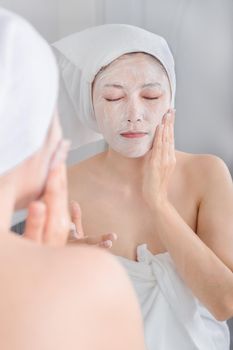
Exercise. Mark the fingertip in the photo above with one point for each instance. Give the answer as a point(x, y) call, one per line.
point(107, 244)
point(114, 236)
point(75, 204)
point(75, 207)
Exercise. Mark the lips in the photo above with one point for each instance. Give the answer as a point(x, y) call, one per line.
point(133, 134)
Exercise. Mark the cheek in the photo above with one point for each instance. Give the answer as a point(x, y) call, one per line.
point(153, 112)
point(161, 108)
point(109, 116)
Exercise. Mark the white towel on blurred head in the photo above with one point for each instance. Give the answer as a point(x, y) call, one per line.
point(83, 54)
point(28, 89)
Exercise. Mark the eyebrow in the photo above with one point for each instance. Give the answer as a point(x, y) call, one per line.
point(151, 85)
point(118, 86)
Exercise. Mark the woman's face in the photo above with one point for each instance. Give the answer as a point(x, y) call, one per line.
point(130, 97)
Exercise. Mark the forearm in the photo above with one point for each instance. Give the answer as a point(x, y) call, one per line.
point(202, 271)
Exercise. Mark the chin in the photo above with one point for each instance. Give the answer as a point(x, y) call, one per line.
point(135, 154)
point(141, 155)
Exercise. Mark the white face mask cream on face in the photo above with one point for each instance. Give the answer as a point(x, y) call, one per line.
point(130, 97)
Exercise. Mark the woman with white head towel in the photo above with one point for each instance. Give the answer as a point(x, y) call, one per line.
point(174, 223)
point(51, 297)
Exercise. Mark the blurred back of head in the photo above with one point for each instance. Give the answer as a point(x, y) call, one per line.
point(29, 87)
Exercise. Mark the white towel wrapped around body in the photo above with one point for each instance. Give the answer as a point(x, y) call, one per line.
point(173, 317)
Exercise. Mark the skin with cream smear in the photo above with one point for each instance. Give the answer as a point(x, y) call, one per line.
point(130, 97)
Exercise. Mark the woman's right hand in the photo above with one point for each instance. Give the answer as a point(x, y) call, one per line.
point(51, 221)
point(48, 220)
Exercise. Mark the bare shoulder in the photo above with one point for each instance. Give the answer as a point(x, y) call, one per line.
point(52, 275)
point(60, 291)
point(201, 163)
point(202, 169)
point(197, 159)
point(37, 265)
point(89, 286)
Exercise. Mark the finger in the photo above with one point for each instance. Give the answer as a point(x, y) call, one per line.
point(35, 221)
point(99, 239)
point(172, 126)
point(164, 118)
point(155, 136)
point(154, 143)
point(165, 140)
point(73, 234)
point(76, 218)
point(60, 154)
point(56, 178)
point(110, 236)
point(96, 240)
point(57, 174)
point(106, 244)
point(56, 198)
point(159, 129)
point(171, 138)
point(157, 145)
point(167, 126)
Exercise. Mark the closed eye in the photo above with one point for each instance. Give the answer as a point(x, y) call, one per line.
point(113, 99)
point(151, 98)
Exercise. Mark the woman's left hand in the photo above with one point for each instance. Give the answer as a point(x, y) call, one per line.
point(77, 235)
point(160, 163)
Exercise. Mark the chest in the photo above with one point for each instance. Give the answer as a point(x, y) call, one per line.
point(130, 218)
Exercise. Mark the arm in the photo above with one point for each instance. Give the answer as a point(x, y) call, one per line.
point(198, 263)
point(204, 260)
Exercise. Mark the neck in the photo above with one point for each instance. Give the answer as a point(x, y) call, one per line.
point(127, 170)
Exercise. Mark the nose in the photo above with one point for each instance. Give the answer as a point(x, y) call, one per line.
point(135, 113)
point(132, 120)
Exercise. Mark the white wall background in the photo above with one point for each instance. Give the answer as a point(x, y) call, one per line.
point(200, 34)
point(41, 13)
